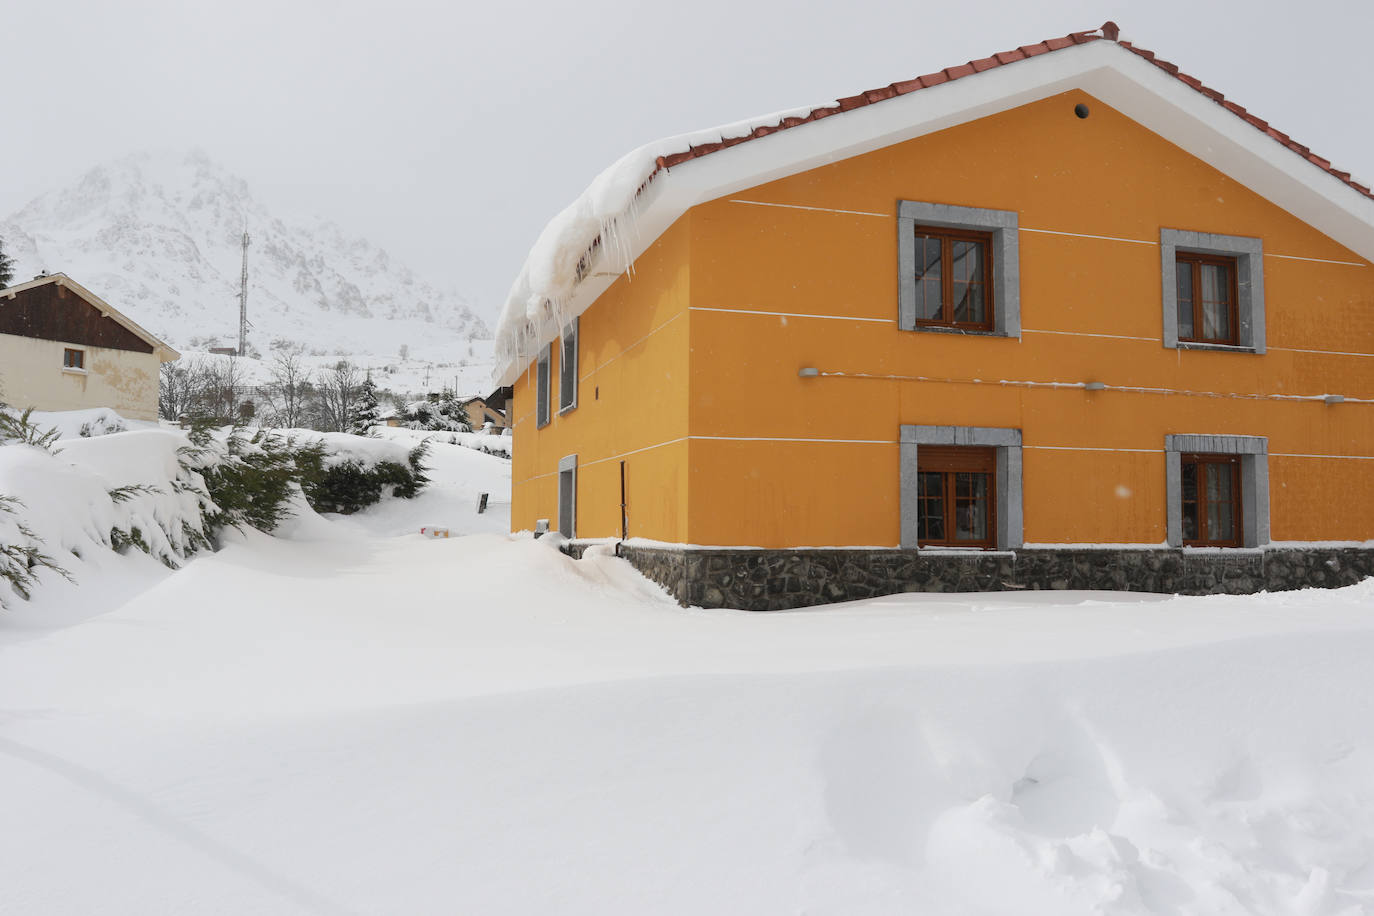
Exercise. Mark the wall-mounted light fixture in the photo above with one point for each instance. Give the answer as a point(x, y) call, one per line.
point(1094, 386)
point(808, 372)
point(1334, 398)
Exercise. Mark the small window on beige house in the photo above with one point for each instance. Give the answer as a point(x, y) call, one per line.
point(73, 359)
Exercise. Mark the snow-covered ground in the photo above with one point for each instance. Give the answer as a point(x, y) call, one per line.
point(352, 718)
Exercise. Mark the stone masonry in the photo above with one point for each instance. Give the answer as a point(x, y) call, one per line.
point(765, 580)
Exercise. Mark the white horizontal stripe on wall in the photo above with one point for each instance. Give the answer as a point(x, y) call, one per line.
point(761, 203)
point(627, 349)
point(703, 308)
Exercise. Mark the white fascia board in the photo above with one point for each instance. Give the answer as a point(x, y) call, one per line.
point(1137, 88)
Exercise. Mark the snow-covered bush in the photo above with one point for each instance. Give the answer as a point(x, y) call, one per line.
point(342, 473)
point(169, 493)
point(441, 412)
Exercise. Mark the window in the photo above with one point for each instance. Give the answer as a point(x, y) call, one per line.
point(541, 384)
point(1218, 490)
point(1206, 298)
point(959, 269)
point(567, 497)
point(1213, 290)
point(567, 370)
point(955, 497)
point(73, 359)
point(960, 486)
point(952, 273)
point(1211, 500)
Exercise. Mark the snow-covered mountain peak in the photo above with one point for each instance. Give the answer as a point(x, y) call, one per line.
point(158, 235)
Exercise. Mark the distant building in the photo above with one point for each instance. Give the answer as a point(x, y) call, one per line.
point(64, 348)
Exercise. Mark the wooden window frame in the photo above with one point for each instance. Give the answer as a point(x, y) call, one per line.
point(946, 237)
point(949, 461)
point(79, 365)
point(1192, 262)
point(1237, 517)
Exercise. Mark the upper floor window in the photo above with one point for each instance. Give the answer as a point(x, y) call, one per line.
point(1207, 301)
point(541, 386)
point(1213, 290)
point(567, 369)
point(953, 273)
point(959, 269)
point(73, 359)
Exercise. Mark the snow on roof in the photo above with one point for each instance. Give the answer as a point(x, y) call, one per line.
point(604, 228)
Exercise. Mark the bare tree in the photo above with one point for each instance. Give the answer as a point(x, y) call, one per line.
point(289, 392)
point(180, 384)
point(219, 394)
point(338, 388)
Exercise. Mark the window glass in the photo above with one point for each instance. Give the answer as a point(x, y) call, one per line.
point(952, 279)
point(931, 506)
point(929, 282)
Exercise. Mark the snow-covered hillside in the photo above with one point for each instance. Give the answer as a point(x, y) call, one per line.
point(158, 236)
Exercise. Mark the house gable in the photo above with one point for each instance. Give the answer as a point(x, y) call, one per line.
point(1150, 92)
point(55, 308)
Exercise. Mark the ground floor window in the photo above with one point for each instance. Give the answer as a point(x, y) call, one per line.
point(960, 486)
point(1211, 500)
point(567, 497)
point(73, 359)
point(1217, 490)
point(956, 498)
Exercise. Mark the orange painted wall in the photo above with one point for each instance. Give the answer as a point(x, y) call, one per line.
point(683, 349)
point(632, 403)
point(1068, 179)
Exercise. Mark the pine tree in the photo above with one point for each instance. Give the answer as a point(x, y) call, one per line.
point(6, 267)
point(366, 412)
point(452, 410)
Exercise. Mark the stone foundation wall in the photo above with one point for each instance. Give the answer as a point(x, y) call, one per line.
point(765, 580)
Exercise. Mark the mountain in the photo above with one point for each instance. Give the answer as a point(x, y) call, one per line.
point(159, 237)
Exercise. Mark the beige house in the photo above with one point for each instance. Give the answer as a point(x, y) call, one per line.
point(64, 348)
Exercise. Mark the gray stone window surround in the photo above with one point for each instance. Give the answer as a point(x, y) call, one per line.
point(1249, 255)
point(1007, 442)
point(541, 386)
point(567, 496)
point(567, 369)
point(1254, 482)
point(1006, 261)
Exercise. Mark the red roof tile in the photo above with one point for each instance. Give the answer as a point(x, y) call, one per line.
point(1109, 32)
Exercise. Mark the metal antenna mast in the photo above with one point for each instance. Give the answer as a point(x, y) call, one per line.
point(243, 300)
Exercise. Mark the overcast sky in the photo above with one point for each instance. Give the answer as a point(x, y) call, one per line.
point(450, 133)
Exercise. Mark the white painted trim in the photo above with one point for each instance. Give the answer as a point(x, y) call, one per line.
point(1085, 235)
point(1085, 448)
point(785, 439)
point(702, 308)
point(760, 203)
point(1153, 340)
point(637, 451)
point(1294, 257)
point(1346, 457)
point(1323, 352)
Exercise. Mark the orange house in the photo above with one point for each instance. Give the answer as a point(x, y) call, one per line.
point(1063, 296)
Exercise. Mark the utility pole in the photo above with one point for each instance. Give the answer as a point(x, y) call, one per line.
point(243, 300)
